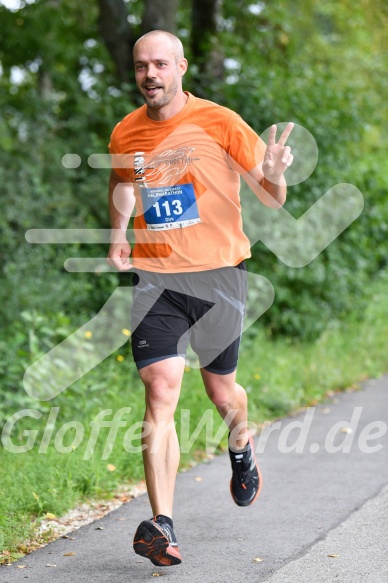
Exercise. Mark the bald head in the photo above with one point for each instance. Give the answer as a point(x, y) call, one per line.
point(173, 43)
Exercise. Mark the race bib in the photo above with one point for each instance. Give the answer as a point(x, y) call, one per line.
point(170, 207)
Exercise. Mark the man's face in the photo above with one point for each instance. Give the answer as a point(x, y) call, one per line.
point(158, 75)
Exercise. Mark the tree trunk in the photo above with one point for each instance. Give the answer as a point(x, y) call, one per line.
point(204, 26)
point(44, 84)
point(159, 15)
point(116, 32)
point(208, 55)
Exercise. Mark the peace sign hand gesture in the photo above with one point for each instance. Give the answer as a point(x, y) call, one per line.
point(277, 157)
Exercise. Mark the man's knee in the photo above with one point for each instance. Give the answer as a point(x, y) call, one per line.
point(162, 381)
point(160, 393)
point(220, 389)
point(220, 398)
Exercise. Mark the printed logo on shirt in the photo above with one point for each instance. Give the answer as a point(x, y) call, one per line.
point(139, 166)
point(162, 167)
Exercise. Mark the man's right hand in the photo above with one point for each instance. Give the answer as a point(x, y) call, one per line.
point(118, 256)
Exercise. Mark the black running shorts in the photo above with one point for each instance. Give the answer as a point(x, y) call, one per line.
point(204, 308)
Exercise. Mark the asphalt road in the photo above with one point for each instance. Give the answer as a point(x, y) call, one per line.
point(315, 502)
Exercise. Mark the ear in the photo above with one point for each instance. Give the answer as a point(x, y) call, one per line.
point(183, 66)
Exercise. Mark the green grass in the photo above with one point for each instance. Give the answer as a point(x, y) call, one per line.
point(279, 375)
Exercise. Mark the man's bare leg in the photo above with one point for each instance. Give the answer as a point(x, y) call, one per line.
point(227, 395)
point(162, 381)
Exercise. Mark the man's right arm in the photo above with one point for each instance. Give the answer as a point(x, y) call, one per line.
point(121, 205)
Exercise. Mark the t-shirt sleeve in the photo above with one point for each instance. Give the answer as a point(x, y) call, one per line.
point(119, 162)
point(113, 145)
point(243, 146)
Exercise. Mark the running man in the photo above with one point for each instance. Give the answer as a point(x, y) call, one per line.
point(183, 157)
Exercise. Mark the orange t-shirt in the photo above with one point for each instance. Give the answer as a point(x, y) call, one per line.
point(186, 174)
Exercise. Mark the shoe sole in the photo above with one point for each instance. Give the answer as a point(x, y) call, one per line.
point(151, 542)
point(260, 481)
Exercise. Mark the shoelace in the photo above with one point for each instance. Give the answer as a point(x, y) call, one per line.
point(241, 468)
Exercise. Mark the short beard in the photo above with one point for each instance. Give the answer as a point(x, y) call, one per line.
point(166, 98)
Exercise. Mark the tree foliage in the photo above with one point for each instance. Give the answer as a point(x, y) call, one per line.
point(66, 80)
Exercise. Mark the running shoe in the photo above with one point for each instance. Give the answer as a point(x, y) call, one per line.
point(155, 540)
point(246, 481)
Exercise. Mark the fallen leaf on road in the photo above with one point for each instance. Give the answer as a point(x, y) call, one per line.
point(69, 554)
point(124, 497)
point(198, 479)
point(99, 528)
point(21, 566)
point(346, 430)
point(258, 560)
point(69, 537)
point(333, 556)
point(50, 565)
point(157, 574)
